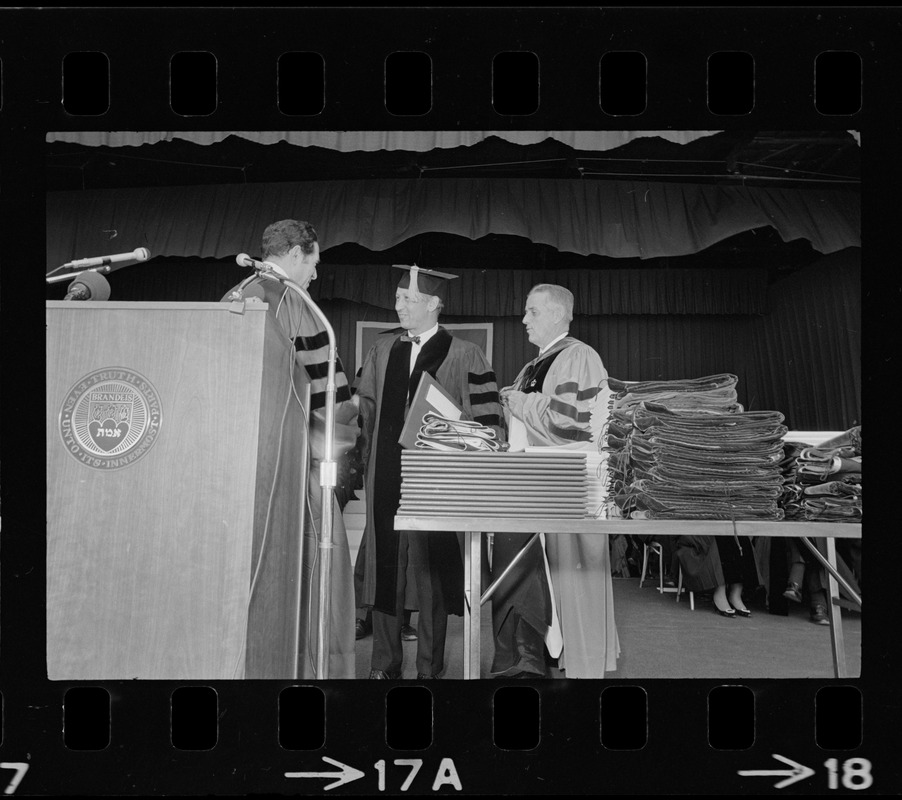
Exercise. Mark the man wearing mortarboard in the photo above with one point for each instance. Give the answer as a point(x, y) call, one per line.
point(388, 380)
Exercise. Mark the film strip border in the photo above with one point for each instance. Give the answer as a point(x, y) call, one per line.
point(408, 85)
point(410, 711)
point(409, 68)
point(306, 739)
point(241, 752)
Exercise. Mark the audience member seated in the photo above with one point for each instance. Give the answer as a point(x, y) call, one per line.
point(808, 577)
point(724, 564)
point(793, 575)
point(803, 574)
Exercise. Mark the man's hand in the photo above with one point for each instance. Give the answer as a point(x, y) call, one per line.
point(513, 400)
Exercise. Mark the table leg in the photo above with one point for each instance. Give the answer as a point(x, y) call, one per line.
point(835, 614)
point(472, 591)
point(833, 611)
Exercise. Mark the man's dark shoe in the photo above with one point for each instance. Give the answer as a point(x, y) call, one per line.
point(793, 592)
point(408, 633)
point(382, 675)
point(362, 629)
point(819, 614)
point(532, 676)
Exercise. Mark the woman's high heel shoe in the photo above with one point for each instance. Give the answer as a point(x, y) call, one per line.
point(731, 614)
point(734, 604)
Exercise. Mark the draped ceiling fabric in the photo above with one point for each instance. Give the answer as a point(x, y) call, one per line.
point(348, 141)
point(620, 219)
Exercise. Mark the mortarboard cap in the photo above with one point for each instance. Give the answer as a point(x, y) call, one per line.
point(424, 281)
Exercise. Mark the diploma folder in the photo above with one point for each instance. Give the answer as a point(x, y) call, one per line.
point(486, 484)
point(429, 397)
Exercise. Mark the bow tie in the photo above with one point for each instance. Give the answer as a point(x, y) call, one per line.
point(406, 338)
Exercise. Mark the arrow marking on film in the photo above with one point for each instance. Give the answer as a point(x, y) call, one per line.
point(346, 775)
point(798, 772)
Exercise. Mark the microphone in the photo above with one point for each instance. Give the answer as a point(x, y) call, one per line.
point(244, 260)
point(141, 254)
point(89, 286)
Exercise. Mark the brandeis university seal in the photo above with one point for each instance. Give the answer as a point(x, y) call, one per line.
point(110, 418)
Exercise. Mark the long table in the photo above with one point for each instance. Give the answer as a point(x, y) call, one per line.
point(474, 527)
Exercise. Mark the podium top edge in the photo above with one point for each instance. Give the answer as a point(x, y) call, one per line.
point(143, 305)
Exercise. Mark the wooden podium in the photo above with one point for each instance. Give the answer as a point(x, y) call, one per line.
point(176, 467)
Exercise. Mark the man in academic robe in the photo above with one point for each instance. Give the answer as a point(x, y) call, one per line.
point(556, 401)
point(388, 381)
point(290, 248)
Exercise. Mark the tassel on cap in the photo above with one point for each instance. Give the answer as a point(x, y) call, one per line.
point(424, 281)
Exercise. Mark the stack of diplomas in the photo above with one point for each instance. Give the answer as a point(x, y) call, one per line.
point(491, 484)
point(596, 471)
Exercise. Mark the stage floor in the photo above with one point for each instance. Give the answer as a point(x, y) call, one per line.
point(660, 638)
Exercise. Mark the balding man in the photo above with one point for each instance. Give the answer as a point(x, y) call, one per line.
point(554, 402)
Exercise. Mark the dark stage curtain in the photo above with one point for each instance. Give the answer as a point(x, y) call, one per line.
point(478, 293)
point(620, 219)
point(809, 350)
point(798, 353)
point(502, 292)
point(801, 359)
point(633, 347)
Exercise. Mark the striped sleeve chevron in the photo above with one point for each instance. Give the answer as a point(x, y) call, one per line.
point(563, 412)
point(484, 401)
point(313, 353)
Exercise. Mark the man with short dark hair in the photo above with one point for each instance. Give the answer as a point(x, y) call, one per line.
point(292, 238)
point(290, 248)
point(389, 378)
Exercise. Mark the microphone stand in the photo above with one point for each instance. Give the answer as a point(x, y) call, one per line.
point(72, 275)
point(328, 474)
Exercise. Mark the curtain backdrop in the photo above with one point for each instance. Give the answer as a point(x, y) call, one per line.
point(809, 348)
point(798, 351)
point(802, 358)
point(620, 219)
point(502, 292)
point(478, 294)
point(348, 141)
